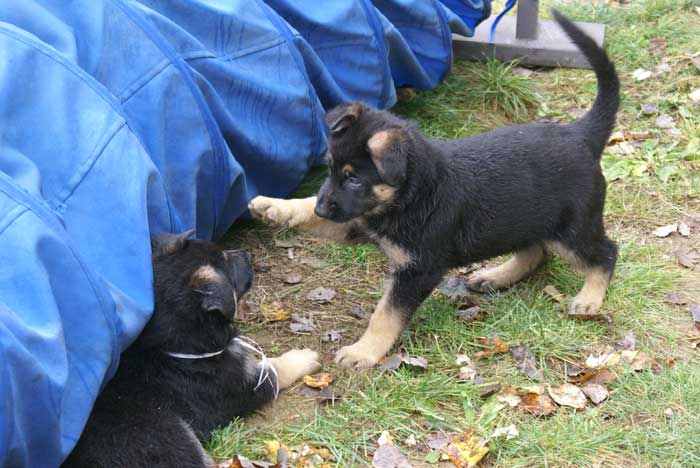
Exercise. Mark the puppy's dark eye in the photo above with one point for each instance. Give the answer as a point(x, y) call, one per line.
point(352, 180)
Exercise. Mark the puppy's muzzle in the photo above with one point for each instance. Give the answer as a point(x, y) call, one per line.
point(325, 208)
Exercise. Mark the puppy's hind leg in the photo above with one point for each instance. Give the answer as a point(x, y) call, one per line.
point(521, 265)
point(597, 259)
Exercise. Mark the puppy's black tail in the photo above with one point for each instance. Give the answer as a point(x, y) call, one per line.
point(599, 121)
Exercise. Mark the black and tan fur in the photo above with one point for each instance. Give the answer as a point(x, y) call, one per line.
point(157, 408)
point(431, 205)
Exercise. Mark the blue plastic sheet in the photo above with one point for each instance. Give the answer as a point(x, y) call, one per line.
point(122, 118)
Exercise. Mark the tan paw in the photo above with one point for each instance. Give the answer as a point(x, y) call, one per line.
point(585, 304)
point(295, 364)
point(485, 280)
point(356, 356)
point(281, 212)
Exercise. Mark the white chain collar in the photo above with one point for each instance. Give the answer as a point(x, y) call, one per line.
point(266, 367)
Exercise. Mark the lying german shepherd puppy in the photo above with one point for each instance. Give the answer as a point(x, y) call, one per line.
point(431, 205)
point(189, 371)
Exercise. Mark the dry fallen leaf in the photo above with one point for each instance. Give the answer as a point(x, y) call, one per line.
point(568, 395)
point(649, 109)
point(389, 456)
point(410, 441)
point(525, 361)
point(695, 312)
point(598, 376)
point(683, 229)
point(639, 360)
point(602, 360)
point(239, 461)
point(359, 312)
point(244, 311)
point(685, 259)
point(405, 94)
point(595, 392)
point(324, 395)
point(509, 395)
point(293, 278)
point(272, 448)
point(470, 314)
point(662, 68)
point(333, 336)
point(495, 346)
point(640, 74)
point(313, 262)
point(415, 361)
point(522, 72)
point(510, 432)
point(394, 361)
point(665, 231)
point(438, 441)
point(391, 363)
point(554, 293)
point(467, 451)
point(657, 46)
point(301, 324)
point(694, 95)
point(453, 287)
point(694, 335)
point(616, 137)
point(321, 295)
point(275, 312)
point(384, 438)
point(676, 299)
point(467, 370)
point(321, 380)
point(488, 389)
point(692, 219)
point(665, 121)
point(626, 343)
point(537, 404)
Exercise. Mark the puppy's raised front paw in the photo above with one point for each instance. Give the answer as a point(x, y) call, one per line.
point(290, 213)
point(356, 356)
point(295, 364)
point(483, 280)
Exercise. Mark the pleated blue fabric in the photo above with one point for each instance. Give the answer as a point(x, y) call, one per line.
point(120, 119)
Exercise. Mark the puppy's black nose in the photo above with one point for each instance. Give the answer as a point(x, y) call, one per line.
point(324, 209)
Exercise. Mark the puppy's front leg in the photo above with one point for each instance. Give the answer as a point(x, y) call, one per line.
point(404, 293)
point(295, 364)
point(299, 213)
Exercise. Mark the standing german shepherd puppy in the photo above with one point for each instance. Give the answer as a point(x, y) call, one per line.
point(431, 205)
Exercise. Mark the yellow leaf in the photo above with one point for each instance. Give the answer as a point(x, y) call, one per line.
point(467, 451)
point(321, 380)
point(275, 312)
point(272, 447)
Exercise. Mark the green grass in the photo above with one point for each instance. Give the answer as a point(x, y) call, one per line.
point(651, 187)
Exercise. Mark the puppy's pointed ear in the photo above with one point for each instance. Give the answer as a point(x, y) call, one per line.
point(167, 243)
point(217, 295)
point(388, 154)
point(342, 117)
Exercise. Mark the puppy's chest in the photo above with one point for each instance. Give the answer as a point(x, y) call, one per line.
point(398, 256)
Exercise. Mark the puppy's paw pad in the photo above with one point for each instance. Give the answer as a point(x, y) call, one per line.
point(270, 209)
point(482, 282)
point(354, 357)
point(584, 306)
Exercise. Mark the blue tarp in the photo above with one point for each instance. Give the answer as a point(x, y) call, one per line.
point(122, 118)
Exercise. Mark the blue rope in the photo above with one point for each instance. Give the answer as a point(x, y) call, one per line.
point(509, 5)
